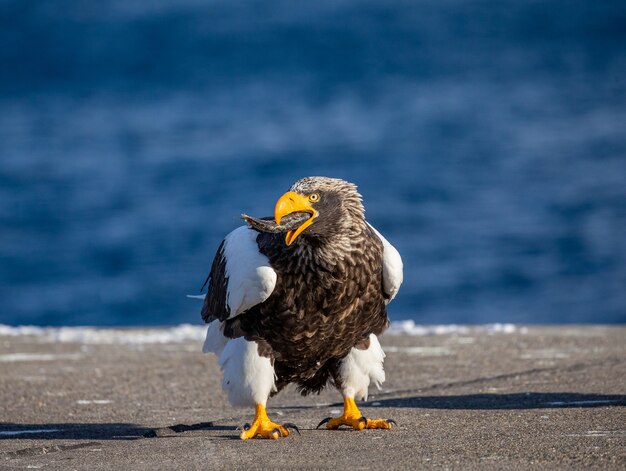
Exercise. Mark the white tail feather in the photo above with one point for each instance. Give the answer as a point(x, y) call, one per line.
point(215, 340)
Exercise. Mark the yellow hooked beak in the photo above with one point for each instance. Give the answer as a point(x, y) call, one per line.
point(292, 202)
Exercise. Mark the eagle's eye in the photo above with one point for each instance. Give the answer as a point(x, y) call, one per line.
point(314, 197)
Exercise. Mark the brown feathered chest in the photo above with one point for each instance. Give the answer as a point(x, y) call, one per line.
point(321, 307)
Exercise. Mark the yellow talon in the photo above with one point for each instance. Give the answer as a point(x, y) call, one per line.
point(263, 427)
point(379, 423)
point(352, 416)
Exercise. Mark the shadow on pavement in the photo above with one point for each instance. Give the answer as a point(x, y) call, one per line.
point(121, 431)
point(527, 400)
point(96, 431)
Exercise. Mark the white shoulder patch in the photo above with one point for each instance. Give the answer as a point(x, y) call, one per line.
point(393, 270)
point(251, 279)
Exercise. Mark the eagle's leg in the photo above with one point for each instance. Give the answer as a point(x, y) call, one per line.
point(249, 379)
point(262, 426)
point(352, 417)
point(353, 376)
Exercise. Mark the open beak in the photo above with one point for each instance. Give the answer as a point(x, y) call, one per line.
point(292, 202)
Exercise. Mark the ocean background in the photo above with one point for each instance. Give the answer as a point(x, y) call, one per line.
point(488, 138)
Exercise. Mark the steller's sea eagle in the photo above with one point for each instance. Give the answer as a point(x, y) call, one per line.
point(302, 300)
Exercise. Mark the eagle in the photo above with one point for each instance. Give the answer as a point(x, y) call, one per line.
point(301, 298)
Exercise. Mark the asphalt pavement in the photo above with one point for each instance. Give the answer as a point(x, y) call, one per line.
point(531, 398)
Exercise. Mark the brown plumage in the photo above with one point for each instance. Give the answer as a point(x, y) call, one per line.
point(328, 296)
point(306, 293)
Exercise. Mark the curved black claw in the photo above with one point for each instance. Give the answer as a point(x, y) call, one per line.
point(391, 421)
point(246, 426)
point(327, 419)
point(277, 430)
point(363, 419)
point(289, 425)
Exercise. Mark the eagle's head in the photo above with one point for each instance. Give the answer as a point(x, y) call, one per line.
point(334, 205)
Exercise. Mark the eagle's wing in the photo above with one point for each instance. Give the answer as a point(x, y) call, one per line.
point(240, 278)
point(393, 273)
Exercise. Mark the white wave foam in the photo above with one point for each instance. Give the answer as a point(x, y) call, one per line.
point(409, 327)
point(420, 351)
point(94, 401)
point(94, 335)
point(196, 333)
point(15, 357)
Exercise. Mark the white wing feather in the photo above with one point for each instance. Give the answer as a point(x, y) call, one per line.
point(251, 279)
point(393, 271)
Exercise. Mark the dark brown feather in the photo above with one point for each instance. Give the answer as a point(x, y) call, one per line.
point(215, 306)
point(328, 296)
point(315, 314)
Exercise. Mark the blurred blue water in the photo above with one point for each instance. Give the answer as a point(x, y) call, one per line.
point(487, 137)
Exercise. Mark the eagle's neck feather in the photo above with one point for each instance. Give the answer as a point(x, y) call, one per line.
point(331, 251)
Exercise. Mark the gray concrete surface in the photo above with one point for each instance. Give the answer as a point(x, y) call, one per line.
point(538, 398)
